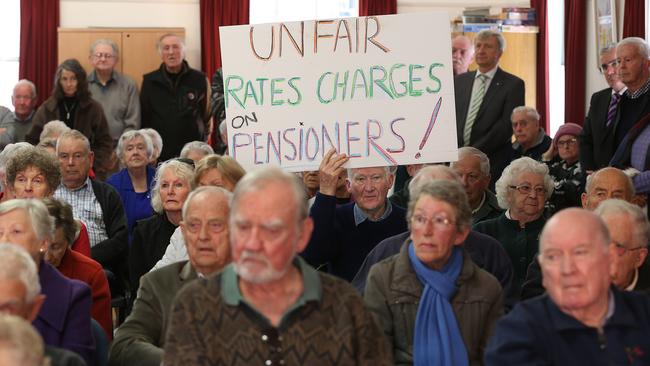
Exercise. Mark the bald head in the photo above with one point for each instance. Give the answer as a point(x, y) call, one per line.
point(604, 184)
point(431, 173)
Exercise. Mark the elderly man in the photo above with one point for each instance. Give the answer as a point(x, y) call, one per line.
point(484, 102)
point(140, 340)
point(96, 203)
point(20, 295)
point(583, 320)
point(531, 139)
point(116, 92)
point(485, 251)
point(462, 54)
point(473, 168)
point(175, 99)
point(596, 141)
point(604, 184)
point(270, 307)
point(14, 126)
point(344, 235)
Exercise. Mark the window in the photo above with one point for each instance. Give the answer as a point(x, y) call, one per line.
point(9, 26)
point(272, 11)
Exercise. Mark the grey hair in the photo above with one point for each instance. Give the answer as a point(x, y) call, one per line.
point(590, 179)
point(40, 218)
point(607, 48)
point(29, 84)
point(108, 42)
point(389, 171)
point(21, 340)
point(513, 171)
point(466, 151)
point(227, 195)
point(196, 145)
point(155, 138)
point(529, 112)
point(47, 143)
point(73, 135)
point(53, 129)
point(448, 191)
point(5, 156)
point(635, 213)
point(166, 35)
point(429, 173)
point(487, 33)
point(131, 135)
point(223, 127)
point(258, 179)
point(640, 44)
point(182, 170)
point(16, 264)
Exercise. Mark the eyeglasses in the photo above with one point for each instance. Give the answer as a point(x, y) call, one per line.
point(526, 189)
point(273, 339)
point(107, 56)
point(567, 143)
point(439, 222)
point(605, 66)
point(622, 249)
point(34, 182)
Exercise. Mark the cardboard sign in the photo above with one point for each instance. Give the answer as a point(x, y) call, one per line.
point(379, 89)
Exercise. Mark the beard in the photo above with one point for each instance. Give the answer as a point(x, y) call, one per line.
point(261, 271)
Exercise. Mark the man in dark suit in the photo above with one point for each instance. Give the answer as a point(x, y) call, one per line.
point(596, 142)
point(484, 102)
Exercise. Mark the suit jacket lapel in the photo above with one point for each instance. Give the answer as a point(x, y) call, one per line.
point(492, 90)
point(465, 87)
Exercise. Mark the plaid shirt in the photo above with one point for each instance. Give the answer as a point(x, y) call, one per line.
point(86, 208)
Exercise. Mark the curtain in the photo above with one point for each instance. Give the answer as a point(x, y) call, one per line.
point(377, 7)
point(39, 20)
point(575, 28)
point(215, 13)
point(634, 19)
point(540, 7)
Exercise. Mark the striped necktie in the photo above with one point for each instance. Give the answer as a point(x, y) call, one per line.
point(475, 103)
point(613, 105)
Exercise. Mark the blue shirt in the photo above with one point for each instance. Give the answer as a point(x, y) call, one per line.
point(137, 205)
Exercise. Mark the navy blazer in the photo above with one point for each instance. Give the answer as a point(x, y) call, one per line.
point(597, 141)
point(64, 318)
point(492, 128)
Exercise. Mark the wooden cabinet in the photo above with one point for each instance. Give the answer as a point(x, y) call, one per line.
point(519, 58)
point(138, 53)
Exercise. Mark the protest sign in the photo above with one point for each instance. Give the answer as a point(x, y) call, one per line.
point(379, 89)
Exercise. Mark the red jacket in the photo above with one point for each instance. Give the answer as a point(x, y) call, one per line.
point(77, 266)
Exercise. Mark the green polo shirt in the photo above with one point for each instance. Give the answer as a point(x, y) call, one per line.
point(312, 289)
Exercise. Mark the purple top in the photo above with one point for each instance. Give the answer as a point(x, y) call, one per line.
point(64, 318)
point(637, 159)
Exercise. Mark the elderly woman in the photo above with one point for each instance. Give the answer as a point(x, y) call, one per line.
point(563, 160)
point(522, 190)
point(434, 304)
point(173, 182)
point(77, 266)
point(5, 156)
point(64, 319)
point(196, 150)
point(133, 182)
point(218, 171)
point(72, 104)
point(34, 173)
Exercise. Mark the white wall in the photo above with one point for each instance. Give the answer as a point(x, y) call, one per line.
point(138, 14)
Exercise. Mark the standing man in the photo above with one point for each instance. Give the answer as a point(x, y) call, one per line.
point(597, 139)
point(175, 99)
point(116, 92)
point(269, 307)
point(462, 54)
point(484, 102)
point(14, 126)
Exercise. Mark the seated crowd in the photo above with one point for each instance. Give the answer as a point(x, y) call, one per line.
point(129, 246)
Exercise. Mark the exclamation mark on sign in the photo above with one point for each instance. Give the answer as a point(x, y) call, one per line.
point(432, 122)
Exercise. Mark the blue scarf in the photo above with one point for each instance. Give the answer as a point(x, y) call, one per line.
point(437, 339)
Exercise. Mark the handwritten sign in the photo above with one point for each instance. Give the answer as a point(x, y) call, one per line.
point(379, 89)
